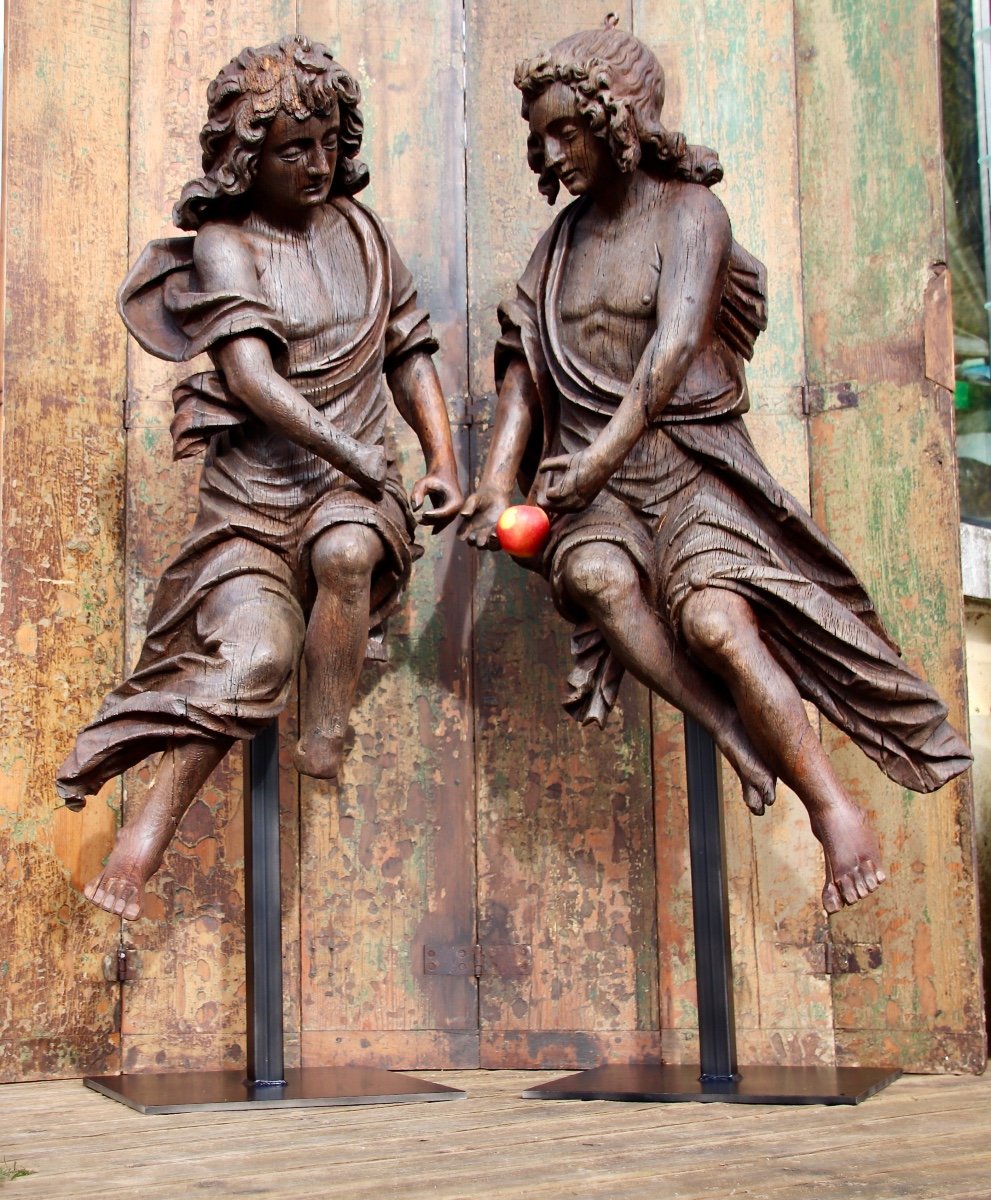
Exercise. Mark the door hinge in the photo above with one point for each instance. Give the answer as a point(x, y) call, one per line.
point(506, 962)
point(852, 958)
point(821, 398)
point(122, 966)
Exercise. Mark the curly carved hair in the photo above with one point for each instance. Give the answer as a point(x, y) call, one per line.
point(295, 76)
point(618, 86)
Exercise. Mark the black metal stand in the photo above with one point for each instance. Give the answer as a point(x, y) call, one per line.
point(268, 1083)
point(718, 1078)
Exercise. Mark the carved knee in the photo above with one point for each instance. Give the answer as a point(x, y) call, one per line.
point(598, 575)
point(257, 640)
point(264, 664)
point(345, 554)
point(711, 627)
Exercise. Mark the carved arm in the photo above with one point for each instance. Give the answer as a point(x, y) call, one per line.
point(418, 396)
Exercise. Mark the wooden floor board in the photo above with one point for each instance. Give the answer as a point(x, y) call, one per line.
point(924, 1138)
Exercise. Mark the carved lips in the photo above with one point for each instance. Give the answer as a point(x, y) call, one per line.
point(523, 530)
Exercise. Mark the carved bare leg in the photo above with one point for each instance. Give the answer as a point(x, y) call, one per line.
point(142, 841)
point(603, 580)
point(343, 560)
point(722, 629)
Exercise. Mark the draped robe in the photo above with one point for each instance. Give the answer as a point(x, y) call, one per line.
point(694, 507)
point(263, 500)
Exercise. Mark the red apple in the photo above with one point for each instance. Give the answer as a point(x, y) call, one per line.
point(523, 530)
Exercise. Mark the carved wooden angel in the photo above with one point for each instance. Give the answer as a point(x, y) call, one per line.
point(678, 557)
point(303, 541)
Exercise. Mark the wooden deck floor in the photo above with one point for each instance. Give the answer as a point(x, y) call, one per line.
point(926, 1137)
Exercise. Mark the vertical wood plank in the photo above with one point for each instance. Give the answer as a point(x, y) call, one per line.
point(61, 480)
point(187, 1010)
point(565, 824)
point(388, 861)
point(884, 486)
point(731, 85)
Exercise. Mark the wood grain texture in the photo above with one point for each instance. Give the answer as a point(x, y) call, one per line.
point(884, 486)
point(565, 825)
point(407, 56)
point(188, 1006)
point(388, 862)
point(920, 1138)
point(730, 79)
point(506, 214)
point(391, 1049)
point(62, 471)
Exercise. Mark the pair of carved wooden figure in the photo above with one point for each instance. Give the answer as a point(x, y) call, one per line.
point(621, 382)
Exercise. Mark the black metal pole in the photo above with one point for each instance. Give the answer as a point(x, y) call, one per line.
point(263, 922)
point(719, 1078)
point(268, 1084)
point(713, 959)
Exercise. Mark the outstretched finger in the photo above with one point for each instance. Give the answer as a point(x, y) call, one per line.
point(559, 462)
point(445, 501)
point(560, 493)
point(475, 528)
point(433, 486)
point(442, 514)
point(420, 491)
point(482, 536)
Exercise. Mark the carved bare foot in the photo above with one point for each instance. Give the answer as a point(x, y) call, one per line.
point(120, 886)
point(758, 782)
point(319, 753)
point(853, 857)
point(117, 894)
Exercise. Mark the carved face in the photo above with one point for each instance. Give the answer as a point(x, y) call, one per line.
point(297, 163)
point(577, 157)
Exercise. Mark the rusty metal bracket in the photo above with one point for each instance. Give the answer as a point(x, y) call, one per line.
point(122, 966)
point(449, 960)
point(852, 958)
point(503, 962)
point(821, 398)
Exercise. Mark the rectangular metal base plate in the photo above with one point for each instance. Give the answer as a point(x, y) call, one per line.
point(753, 1085)
point(309, 1087)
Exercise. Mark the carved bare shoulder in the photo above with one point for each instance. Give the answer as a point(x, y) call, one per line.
point(224, 258)
point(691, 212)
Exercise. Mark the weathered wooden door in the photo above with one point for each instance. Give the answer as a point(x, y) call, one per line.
point(381, 867)
point(489, 884)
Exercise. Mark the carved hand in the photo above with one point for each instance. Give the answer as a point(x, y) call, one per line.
point(480, 514)
point(570, 482)
point(445, 494)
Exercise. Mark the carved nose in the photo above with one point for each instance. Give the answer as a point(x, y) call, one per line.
point(553, 155)
point(318, 163)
